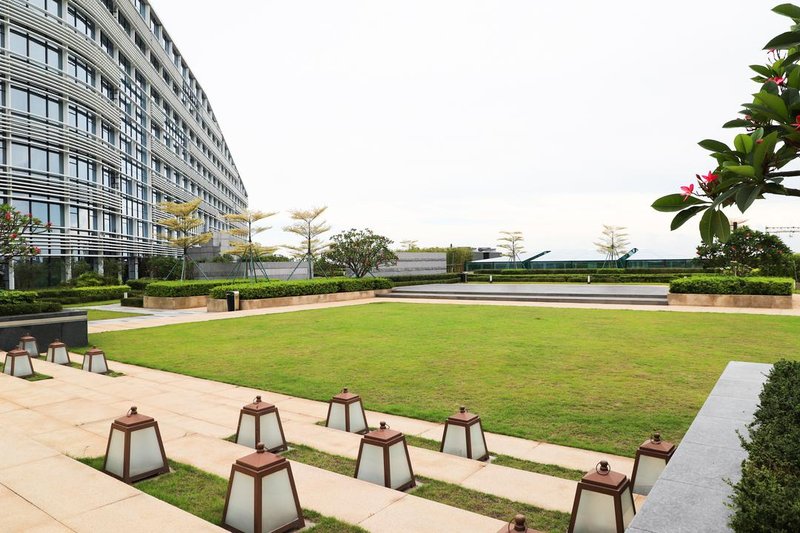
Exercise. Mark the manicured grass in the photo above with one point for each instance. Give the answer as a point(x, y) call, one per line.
point(91, 304)
point(596, 379)
point(203, 495)
point(446, 493)
point(102, 314)
point(36, 376)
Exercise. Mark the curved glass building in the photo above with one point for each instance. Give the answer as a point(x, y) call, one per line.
point(100, 119)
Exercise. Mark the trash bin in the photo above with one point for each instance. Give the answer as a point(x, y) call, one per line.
point(233, 300)
point(463, 277)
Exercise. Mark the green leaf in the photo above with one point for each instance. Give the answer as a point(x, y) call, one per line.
point(685, 215)
point(746, 196)
point(743, 143)
point(784, 41)
point(706, 229)
point(742, 170)
point(737, 123)
point(714, 146)
point(761, 69)
point(788, 10)
point(761, 152)
point(721, 226)
point(722, 198)
point(675, 202)
point(774, 102)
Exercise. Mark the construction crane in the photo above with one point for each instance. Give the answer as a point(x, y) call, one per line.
point(791, 230)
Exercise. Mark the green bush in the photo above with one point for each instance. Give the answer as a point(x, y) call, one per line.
point(767, 497)
point(89, 279)
point(136, 301)
point(732, 285)
point(176, 289)
point(140, 284)
point(15, 297)
point(28, 308)
point(280, 289)
point(83, 294)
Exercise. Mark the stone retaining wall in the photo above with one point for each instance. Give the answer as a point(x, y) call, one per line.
point(221, 305)
point(181, 302)
point(69, 326)
point(731, 300)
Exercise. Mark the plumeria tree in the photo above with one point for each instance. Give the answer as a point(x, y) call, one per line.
point(511, 244)
point(249, 251)
point(184, 223)
point(360, 251)
point(16, 231)
point(310, 230)
point(762, 157)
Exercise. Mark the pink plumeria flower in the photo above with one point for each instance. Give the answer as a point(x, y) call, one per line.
point(710, 177)
point(777, 80)
point(796, 122)
point(687, 191)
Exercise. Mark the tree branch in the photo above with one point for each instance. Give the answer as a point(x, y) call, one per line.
point(787, 174)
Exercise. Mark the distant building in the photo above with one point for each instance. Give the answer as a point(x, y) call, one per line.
point(485, 253)
point(571, 259)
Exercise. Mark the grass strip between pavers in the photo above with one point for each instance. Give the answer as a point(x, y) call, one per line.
point(203, 495)
point(35, 377)
point(446, 493)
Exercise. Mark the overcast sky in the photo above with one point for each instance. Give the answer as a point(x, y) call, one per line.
point(449, 121)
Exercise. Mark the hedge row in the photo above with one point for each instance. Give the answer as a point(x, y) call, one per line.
point(422, 277)
point(78, 295)
point(636, 271)
point(15, 297)
point(140, 284)
point(136, 301)
point(578, 278)
point(175, 289)
point(732, 285)
point(27, 308)
point(767, 497)
point(278, 289)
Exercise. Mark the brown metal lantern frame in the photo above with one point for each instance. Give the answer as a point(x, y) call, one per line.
point(466, 420)
point(346, 398)
point(652, 447)
point(385, 438)
point(11, 361)
point(129, 424)
point(27, 339)
point(604, 481)
point(257, 409)
point(51, 352)
point(519, 524)
point(91, 354)
point(259, 465)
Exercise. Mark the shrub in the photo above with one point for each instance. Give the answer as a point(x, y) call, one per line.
point(28, 308)
point(15, 297)
point(176, 289)
point(136, 301)
point(732, 285)
point(280, 289)
point(89, 279)
point(140, 284)
point(767, 497)
point(83, 294)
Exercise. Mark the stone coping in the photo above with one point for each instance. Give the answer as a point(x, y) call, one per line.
point(219, 305)
point(757, 301)
point(692, 492)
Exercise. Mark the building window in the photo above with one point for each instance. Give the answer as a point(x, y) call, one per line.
point(51, 6)
point(35, 47)
point(82, 119)
point(34, 103)
point(82, 168)
point(80, 70)
point(33, 159)
point(42, 208)
point(80, 21)
point(107, 44)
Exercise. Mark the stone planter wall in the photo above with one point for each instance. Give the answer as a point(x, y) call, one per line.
point(221, 305)
point(180, 302)
point(732, 300)
point(68, 326)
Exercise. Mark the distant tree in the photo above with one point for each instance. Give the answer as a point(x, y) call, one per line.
point(185, 224)
point(511, 242)
point(307, 227)
point(751, 248)
point(16, 231)
point(408, 246)
point(613, 242)
point(456, 256)
point(246, 249)
point(361, 251)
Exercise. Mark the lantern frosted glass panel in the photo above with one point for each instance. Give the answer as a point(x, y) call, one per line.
point(455, 441)
point(277, 501)
point(145, 452)
point(28, 344)
point(240, 513)
point(57, 353)
point(476, 441)
point(647, 472)
point(596, 513)
point(357, 424)
point(115, 457)
point(95, 363)
point(628, 510)
point(371, 465)
point(246, 436)
point(18, 363)
point(271, 434)
point(337, 420)
point(398, 465)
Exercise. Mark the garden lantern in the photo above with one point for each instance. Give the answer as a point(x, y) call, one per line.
point(262, 496)
point(57, 353)
point(463, 435)
point(94, 360)
point(603, 502)
point(135, 450)
point(18, 363)
point(346, 412)
point(383, 459)
point(28, 343)
point(651, 459)
point(260, 422)
point(517, 524)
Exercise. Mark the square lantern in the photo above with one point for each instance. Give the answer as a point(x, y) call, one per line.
point(603, 502)
point(262, 496)
point(383, 459)
point(94, 360)
point(28, 343)
point(260, 422)
point(135, 450)
point(346, 412)
point(57, 353)
point(519, 524)
point(18, 363)
point(463, 435)
point(651, 459)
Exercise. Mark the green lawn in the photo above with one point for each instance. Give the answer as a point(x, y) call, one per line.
point(91, 304)
point(597, 379)
point(102, 314)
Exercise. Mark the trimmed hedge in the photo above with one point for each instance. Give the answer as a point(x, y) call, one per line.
point(767, 497)
point(15, 297)
point(29, 308)
point(79, 295)
point(140, 284)
point(136, 301)
point(280, 289)
point(733, 285)
point(177, 289)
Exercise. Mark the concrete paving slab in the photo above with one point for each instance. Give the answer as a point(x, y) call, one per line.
point(710, 467)
point(78, 411)
point(542, 491)
point(15, 450)
point(324, 439)
point(409, 426)
point(74, 441)
point(201, 385)
point(246, 395)
point(30, 422)
point(449, 468)
point(512, 446)
point(578, 459)
point(318, 410)
point(6, 406)
point(19, 516)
